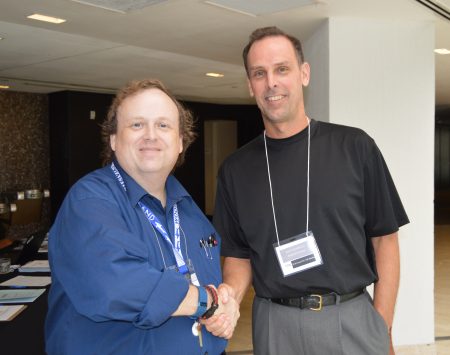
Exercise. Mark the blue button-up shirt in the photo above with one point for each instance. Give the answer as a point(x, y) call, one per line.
point(114, 287)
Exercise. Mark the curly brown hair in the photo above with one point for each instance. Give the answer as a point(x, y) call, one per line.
point(109, 126)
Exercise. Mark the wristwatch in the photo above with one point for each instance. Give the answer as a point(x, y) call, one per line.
point(214, 305)
point(202, 303)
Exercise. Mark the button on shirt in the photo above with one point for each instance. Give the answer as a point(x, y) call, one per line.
point(111, 293)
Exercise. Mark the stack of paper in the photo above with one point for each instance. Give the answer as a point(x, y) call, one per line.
point(44, 246)
point(28, 281)
point(20, 295)
point(36, 266)
point(10, 312)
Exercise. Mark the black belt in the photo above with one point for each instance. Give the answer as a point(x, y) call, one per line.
point(315, 302)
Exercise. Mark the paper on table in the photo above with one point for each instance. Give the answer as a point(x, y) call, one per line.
point(31, 281)
point(44, 247)
point(20, 296)
point(36, 266)
point(10, 312)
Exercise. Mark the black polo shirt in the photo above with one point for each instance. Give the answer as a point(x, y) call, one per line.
point(352, 198)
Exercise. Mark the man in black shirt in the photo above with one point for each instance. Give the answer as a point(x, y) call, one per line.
point(307, 211)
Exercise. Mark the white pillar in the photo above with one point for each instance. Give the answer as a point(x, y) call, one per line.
point(379, 76)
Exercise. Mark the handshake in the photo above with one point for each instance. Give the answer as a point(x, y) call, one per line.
point(224, 320)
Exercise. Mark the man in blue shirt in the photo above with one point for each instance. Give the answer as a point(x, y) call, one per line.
point(131, 254)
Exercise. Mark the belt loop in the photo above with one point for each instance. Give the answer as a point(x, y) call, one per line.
point(338, 298)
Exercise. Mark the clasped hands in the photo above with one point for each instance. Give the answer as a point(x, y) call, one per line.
point(223, 322)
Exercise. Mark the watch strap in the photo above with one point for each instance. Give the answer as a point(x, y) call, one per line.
point(202, 303)
point(214, 305)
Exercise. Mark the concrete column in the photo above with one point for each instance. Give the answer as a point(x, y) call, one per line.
point(379, 76)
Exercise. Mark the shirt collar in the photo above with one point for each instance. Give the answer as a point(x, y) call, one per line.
point(174, 190)
point(299, 136)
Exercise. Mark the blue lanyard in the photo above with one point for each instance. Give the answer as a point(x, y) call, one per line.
point(175, 248)
point(154, 221)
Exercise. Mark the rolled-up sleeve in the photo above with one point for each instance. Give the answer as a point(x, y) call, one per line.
point(105, 270)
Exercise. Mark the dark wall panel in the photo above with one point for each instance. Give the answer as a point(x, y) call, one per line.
point(24, 149)
point(75, 139)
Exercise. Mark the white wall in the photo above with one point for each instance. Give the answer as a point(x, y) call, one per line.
point(317, 94)
point(381, 79)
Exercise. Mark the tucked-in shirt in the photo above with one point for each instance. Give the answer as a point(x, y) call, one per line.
point(114, 281)
point(352, 199)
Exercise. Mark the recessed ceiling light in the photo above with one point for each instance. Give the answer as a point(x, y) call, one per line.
point(260, 7)
point(121, 6)
point(1, 38)
point(45, 18)
point(442, 51)
point(215, 75)
point(4, 87)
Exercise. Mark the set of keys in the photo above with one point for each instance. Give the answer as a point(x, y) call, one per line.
point(197, 331)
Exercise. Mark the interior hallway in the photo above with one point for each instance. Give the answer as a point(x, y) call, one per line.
point(241, 343)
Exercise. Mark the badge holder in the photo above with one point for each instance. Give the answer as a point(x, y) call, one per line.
point(298, 253)
point(191, 276)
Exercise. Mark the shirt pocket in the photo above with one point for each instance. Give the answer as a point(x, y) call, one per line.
point(204, 254)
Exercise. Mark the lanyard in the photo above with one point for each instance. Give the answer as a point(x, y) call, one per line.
point(176, 249)
point(307, 182)
point(154, 221)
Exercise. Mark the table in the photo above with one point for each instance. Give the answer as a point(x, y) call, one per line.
point(24, 335)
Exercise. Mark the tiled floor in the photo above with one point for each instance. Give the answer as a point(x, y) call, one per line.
point(241, 343)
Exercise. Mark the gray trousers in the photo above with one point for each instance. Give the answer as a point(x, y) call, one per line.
point(353, 327)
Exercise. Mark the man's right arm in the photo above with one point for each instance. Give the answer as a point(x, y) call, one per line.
point(237, 275)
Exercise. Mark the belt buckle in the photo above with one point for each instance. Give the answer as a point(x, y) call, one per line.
point(320, 303)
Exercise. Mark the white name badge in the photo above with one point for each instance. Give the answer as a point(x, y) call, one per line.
point(298, 253)
point(192, 274)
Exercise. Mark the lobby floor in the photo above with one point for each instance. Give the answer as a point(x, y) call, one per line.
point(241, 343)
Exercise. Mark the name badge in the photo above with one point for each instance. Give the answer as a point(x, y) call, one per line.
point(191, 276)
point(298, 253)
